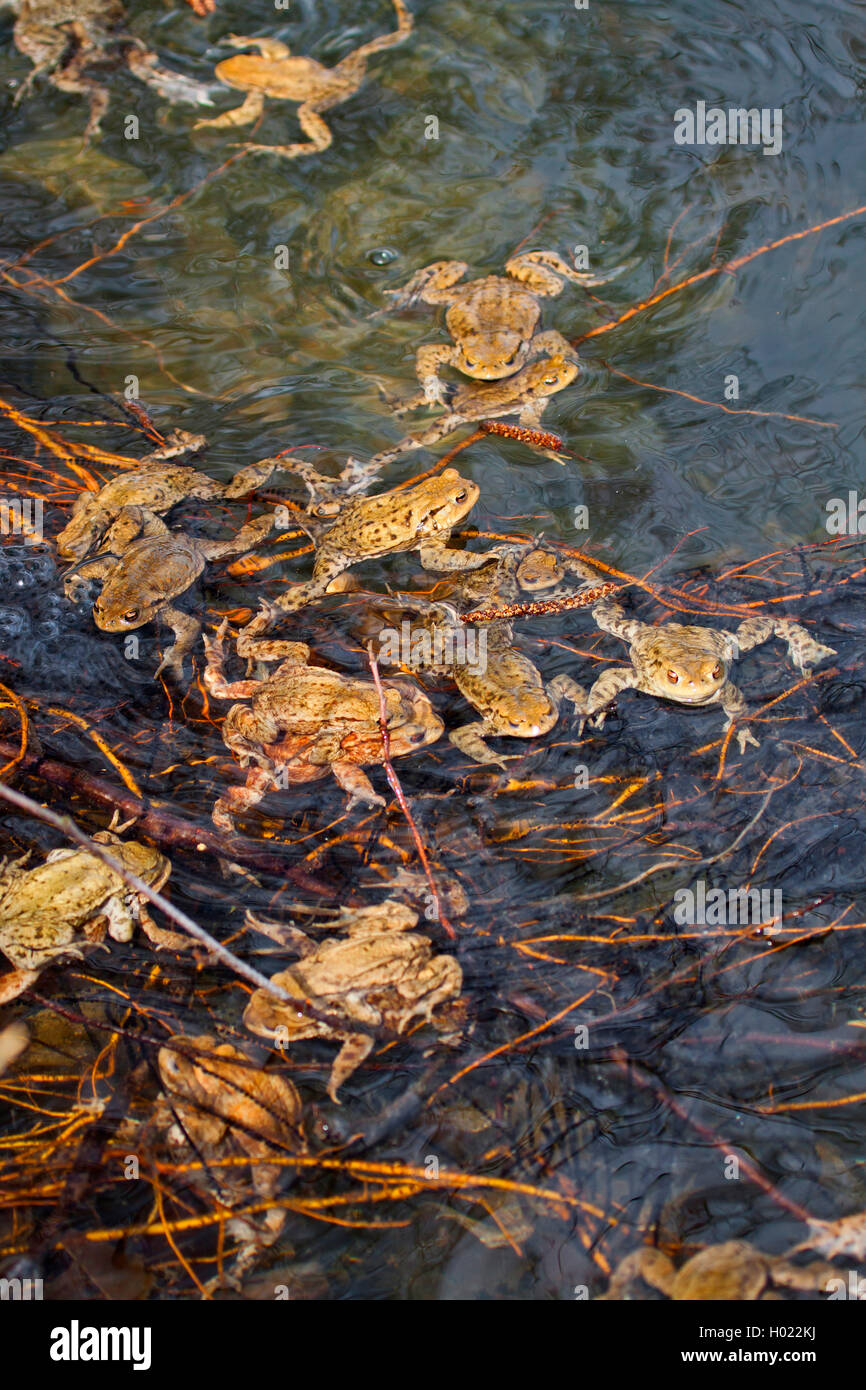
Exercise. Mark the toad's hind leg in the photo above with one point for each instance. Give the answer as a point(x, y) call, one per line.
point(803, 650)
point(162, 939)
point(246, 114)
point(354, 65)
point(544, 271)
point(312, 125)
point(237, 799)
point(355, 781)
point(605, 689)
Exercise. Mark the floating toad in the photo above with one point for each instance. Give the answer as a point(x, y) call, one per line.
point(219, 1105)
point(51, 912)
point(158, 485)
point(691, 664)
point(144, 566)
point(525, 394)
point(493, 321)
point(415, 518)
point(500, 682)
point(378, 974)
point(275, 73)
point(305, 721)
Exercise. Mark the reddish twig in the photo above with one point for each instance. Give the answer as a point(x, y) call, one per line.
point(399, 793)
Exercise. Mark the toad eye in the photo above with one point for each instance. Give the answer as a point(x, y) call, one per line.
point(673, 677)
point(717, 670)
point(130, 615)
point(461, 496)
point(551, 380)
point(511, 359)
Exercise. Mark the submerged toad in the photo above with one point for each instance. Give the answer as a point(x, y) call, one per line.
point(218, 1106)
point(691, 664)
point(144, 566)
point(65, 38)
point(304, 721)
point(500, 682)
point(733, 1271)
point(275, 73)
point(493, 321)
point(415, 518)
point(378, 974)
point(158, 484)
point(53, 911)
point(526, 395)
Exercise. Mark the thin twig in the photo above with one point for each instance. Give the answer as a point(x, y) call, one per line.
point(399, 794)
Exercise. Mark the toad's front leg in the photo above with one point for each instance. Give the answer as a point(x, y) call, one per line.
point(603, 692)
point(565, 688)
point(186, 630)
point(246, 114)
point(429, 359)
point(77, 580)
point(354, 780)
point(734, 705)
point(471, 740)
point(610, 617)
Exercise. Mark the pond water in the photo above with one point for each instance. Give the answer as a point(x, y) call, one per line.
point(679, 1084)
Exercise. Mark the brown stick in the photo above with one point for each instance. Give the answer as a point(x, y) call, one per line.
point(161, 825)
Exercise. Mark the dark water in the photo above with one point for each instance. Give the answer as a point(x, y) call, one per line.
point(555, 128)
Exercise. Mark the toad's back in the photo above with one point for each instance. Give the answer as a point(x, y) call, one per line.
point(291, 79)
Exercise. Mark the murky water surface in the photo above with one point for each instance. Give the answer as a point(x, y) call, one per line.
point(555, 129)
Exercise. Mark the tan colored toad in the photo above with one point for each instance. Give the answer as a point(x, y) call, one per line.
point(380, 973)
point(498, 680)
point(691, 665)
point(53, 911)
point(144, 565)
point(492, 321)
point(304, 721)
point(275, 73)
point(525, 395)
point(365, 528)
point(158, 484)
point(218, 1105)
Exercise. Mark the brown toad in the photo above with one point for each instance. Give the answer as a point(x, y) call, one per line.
point(144, 566)
point(157, 484)
point(691, 665)
point(275, 73)
point(493, 321)
point(733, 1271)
point(304, 721)
point(499, 681)
point(378, 974)
point(53, 911)
point(65, 38)
point(525, 394)
point(414, 518)
point(218, 1106)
